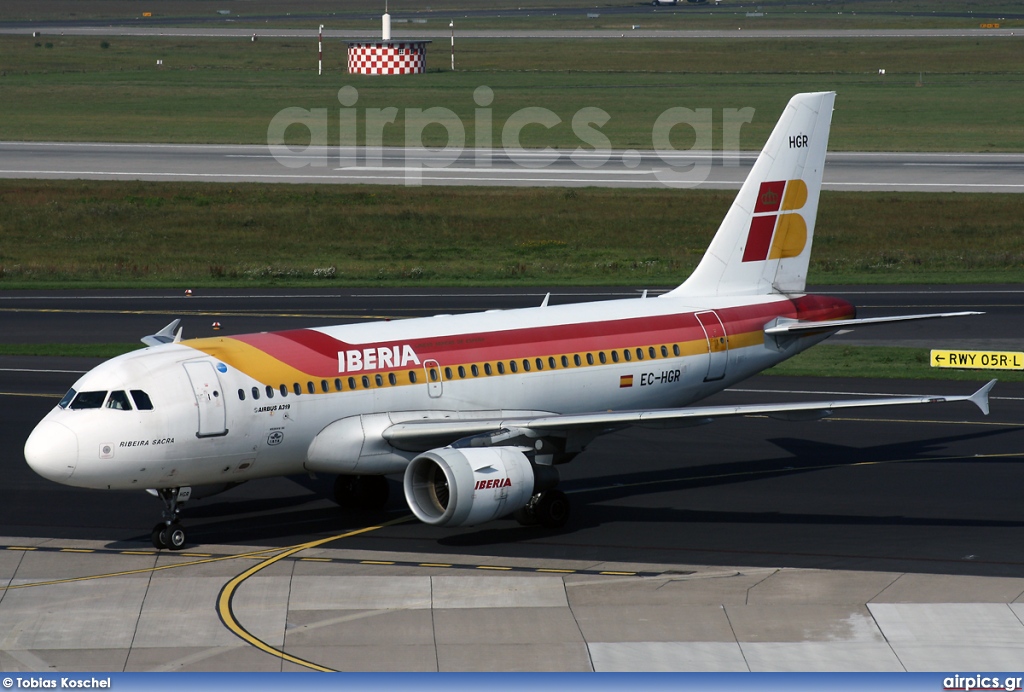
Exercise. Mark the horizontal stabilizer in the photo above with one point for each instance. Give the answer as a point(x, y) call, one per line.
point(786, 326)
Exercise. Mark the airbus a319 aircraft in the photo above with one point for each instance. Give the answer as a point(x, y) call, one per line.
point(478, 410)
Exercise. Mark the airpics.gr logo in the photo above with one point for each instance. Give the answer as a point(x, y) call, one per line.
point(777, 230)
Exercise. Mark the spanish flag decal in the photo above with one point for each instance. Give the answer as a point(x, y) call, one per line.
point(625, 381)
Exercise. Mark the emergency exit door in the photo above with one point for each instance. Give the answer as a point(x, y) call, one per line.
point(718, 344)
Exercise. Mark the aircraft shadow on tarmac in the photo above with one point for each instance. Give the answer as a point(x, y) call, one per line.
point(792, 538)
point(606, 522)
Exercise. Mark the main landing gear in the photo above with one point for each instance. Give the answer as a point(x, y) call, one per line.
point(549, 508)
point(169, 533)
point(361, 492)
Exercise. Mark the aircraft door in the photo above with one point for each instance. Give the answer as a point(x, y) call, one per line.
point(209, 398)
point(432, 371)
point(718, 344)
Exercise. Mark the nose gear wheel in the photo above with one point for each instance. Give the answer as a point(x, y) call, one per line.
point(169, 534)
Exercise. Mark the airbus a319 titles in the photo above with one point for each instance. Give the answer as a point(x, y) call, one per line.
point(476, 411)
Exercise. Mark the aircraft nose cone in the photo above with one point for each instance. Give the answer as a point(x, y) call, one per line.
point(52, 451)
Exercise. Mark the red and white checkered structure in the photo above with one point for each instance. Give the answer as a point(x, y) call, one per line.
point(387, 57)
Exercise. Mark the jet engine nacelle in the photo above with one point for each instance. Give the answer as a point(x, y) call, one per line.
point(465, 487)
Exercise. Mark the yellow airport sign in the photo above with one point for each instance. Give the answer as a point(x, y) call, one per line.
point(978, 360)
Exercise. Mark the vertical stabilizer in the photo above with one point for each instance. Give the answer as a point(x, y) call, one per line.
point(764, 243)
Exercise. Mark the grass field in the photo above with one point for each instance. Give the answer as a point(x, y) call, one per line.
point(829, 360)
point(970, 98)
point(168, 234)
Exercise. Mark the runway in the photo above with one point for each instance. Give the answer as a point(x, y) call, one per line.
point(279, 512)
point(844, 171)
point(747, 544)
point(440, 30)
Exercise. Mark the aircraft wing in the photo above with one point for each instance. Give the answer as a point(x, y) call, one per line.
point(419, 434)
point(789, 326)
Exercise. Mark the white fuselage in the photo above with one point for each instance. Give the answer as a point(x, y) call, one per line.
point(226, 410)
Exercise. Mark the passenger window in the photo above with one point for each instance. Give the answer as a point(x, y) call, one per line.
point(241, 395)
point(565, 362)
point(540, 363)
point(526, 365)
point(501, 368)
point(664, 351)
point(284, 389)
point(602, 357)
point(639, 354)
point(366, 382)
point(298, 388)
point(462, 372)
point(652, 352)
point(63, 403)
point(119, 401)
point(675, 349)
point(351, 383)
point(576, 360)
point(433, 374)
point(378, 380)
point(487, 368)
point(590, 359)
point(270, 392)
point(447, 373)
point(513, 366)
point(615, 356)
point(627, 355)
point(551, 362)
point(412, 376)
point(392, 379)
point(475, 370)
point(142, 401)
point(256, 393)
point(337, 384)
point(86, 400)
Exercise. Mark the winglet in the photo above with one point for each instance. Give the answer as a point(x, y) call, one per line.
point(167, 335)
point(980, 397)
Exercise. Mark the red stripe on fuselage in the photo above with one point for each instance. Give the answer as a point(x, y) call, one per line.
point(316, 353)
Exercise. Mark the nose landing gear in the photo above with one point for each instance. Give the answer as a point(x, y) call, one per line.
point(169, 533)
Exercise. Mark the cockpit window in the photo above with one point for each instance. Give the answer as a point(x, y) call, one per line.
point(63, 403)
point(119, 401)
point(142, 401)
point(88, 400)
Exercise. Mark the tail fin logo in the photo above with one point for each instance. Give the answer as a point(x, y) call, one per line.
point(775, 235)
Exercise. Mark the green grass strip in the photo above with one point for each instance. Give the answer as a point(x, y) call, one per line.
point(156, 234)
point(951, 94)
point(68, 350)
point(883, 362)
